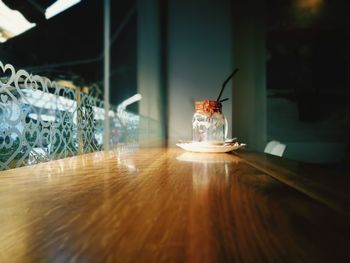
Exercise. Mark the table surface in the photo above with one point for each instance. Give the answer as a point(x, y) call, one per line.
point(167, 205)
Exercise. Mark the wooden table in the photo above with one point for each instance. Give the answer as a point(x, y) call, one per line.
point(166, 205)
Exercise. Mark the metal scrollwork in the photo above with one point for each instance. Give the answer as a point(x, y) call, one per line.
point(41, 120)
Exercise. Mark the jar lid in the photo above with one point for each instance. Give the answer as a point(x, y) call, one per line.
point(208, 106)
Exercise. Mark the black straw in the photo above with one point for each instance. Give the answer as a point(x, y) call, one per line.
point(223, 100)
point(225, 82)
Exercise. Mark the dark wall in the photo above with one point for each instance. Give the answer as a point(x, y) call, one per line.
point(308, 66)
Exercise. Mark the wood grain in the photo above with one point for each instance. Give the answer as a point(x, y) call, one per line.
point(321, 182)
point(162, 205)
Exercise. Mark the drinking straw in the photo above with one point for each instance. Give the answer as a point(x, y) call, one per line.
point(225, 82)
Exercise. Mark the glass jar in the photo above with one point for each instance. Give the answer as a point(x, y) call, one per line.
point(208, 123)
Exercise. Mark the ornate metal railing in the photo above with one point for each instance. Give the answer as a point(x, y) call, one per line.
point(41, 120)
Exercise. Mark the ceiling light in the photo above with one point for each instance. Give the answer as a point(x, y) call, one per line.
point(129, 101)
point(12, 23)
point(59, 6)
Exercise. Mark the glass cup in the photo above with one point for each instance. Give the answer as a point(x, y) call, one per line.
point(209, 125)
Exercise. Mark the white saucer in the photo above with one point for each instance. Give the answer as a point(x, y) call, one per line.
point(208, 148)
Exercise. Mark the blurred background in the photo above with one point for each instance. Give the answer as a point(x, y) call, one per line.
point(293, 86)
